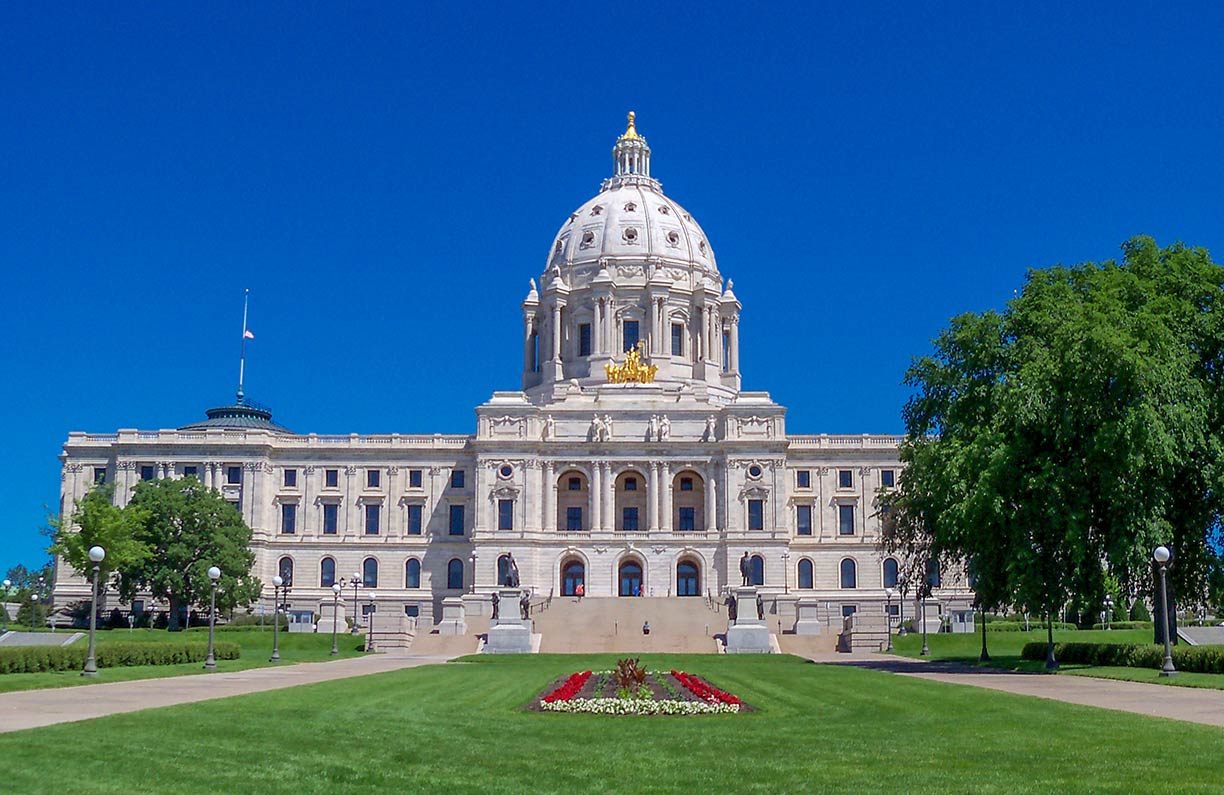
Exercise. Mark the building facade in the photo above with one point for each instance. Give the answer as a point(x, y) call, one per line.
point(630, 462)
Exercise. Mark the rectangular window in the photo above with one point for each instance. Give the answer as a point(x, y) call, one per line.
point(756, 514)
point(803, 520)
point(146, 472)
point(573, 519)
point(191, 472)
point(373, 478)
point(331, 518)
point(331, 479)
point(233, 476)
point(289, 518)
point(630, 519)
point(414, 478)
point(584, 339)
point(803, 479)
point(574, 484)
point(505, 514)
point(457, 479)
point(99, 474)
point(677, 339)
point(688, 519)
point(412, 611)
point(845, 479)
point(414, 520)
point(372, 513)
point(849, 610)
point(888, 478)
point(630, 484)
point(686, 484)
point(631, 335)
point(845, 520)
point(456, 520)
point(291, 478)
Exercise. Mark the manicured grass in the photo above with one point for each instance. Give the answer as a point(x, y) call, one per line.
point(1005, 649)
point(256, 648)
point(461, 727)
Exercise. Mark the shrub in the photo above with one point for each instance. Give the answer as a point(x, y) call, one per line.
point(36, 659)
point(1139, 611)
point(254, 620)
point(1125, 625)
point(1197, 659)
point(1018, 626)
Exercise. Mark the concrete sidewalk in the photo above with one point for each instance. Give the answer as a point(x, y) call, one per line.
point(1191, 704)
point(29, 709)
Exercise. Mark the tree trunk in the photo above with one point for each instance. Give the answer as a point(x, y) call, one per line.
point(173, 624)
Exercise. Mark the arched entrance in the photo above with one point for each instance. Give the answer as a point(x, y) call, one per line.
point(573, 574)
point(629, 575)
point(688, 579)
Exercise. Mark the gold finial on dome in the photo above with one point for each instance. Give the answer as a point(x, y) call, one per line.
point(630, 132)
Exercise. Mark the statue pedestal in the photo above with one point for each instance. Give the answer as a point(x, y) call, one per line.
point(329, 614)
point(509, 633)
point(748, 634)
point(453, 617)
point(807, 618)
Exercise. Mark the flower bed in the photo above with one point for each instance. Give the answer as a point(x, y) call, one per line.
point(647, 693)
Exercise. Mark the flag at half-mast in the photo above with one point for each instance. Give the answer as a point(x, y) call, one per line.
point(248, 334)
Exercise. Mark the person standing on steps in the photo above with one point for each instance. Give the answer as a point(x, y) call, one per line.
point(578, 591)
point(646, 628)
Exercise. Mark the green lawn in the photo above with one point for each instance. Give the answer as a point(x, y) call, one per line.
point(256, 648)
point(1005, 649)
point(461, 728)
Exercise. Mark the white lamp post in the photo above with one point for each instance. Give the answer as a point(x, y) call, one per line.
point(1161, 555)
point(277, 582)
point(4, 613)
point(34, 612)
point(335, 616)
point(96, 556)
point(214, 574)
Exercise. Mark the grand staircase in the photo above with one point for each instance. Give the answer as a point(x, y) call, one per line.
point(612, 624)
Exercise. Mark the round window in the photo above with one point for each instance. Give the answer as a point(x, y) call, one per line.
point(754, 471)
point(630, 235)
point(506, 471)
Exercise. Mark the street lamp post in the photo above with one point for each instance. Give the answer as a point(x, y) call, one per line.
point(1108, 610)
point(210, 662)
point(1161, 555)
point(277, 582)
point(335, 617)
point(356, 583)
point(96, 556)
point(926, 650)
point(985, 655)
point(34, 612)
point(4, 613)
point(888, 618)
point(786, 571)
point(473, 557)
point(902, 632)
point(370, 623)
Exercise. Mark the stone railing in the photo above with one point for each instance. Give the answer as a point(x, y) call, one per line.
point(826, 441)
point(435, 441)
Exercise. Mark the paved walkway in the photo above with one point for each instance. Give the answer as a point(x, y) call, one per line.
point(1192, 704)
point(29, 709)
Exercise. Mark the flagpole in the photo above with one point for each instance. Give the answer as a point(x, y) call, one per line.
point(246, 299)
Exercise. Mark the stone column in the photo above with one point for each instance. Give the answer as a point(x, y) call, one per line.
point(666, 494)
point(596, 344)
point(549, 520)
point(735, 343)
point(608, 495)
point(556, 332)
point(528, 321)
point(596, 497)
point(652, 501)
point(711, 501)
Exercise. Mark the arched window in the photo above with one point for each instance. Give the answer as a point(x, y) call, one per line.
point(630, 579)
point(890, 573)
point(327, 573)
point(573, 575)
point(454, 574)
point(412, 573)
point(369, 573)
point(756, 570)
point(849, 574)
point(932, 571)
point(688, 582)
point(285, 570)
point(806, 579)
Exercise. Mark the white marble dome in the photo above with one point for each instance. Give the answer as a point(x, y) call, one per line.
point(630, 221)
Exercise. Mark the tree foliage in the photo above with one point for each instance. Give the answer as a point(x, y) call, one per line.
point(1056, 443)
point(188, 528)
point(96, 520)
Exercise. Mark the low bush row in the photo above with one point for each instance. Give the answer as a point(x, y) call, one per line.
point(1197, 659)
point(1020, 626)
point(36, 659)
point(1125, 625)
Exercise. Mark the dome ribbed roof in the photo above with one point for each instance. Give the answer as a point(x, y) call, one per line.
point(244, 416)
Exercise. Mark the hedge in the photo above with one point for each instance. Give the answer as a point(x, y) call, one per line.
point(1125, 625)
point(36, 659)
point(1018, 626)
point(1197, 659)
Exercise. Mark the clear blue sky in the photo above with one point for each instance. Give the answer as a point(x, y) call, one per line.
point(386, 178)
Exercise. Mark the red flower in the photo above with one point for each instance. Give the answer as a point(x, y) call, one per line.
point(571, 687)
point(704, 690)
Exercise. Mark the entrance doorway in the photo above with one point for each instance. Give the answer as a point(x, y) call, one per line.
point(573, 574)
point(630, 578)
point(687, 581)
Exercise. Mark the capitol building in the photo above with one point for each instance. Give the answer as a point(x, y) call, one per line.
point(629, 461)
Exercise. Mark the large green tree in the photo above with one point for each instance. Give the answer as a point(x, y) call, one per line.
point(97, 521)
point(188, 528)
point(1056, 443)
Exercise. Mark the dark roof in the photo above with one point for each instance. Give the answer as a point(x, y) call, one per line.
point(243, 415)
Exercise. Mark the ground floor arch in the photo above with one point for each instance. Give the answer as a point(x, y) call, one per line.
point(688, 577)
point(573, 577)
point(630, 578)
